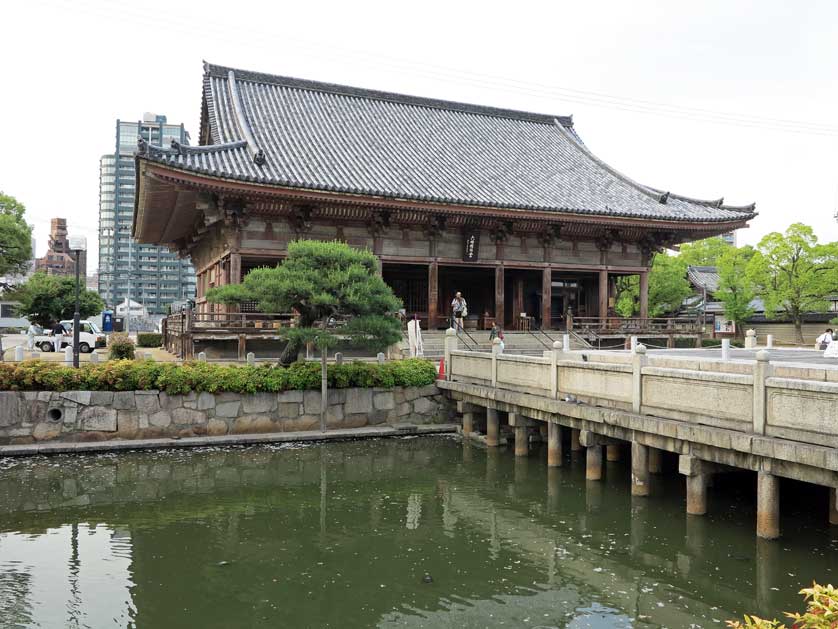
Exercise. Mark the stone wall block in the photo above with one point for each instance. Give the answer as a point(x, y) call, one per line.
point(188, 416)
point(259, 403)
point(127, 424)
point(9, 408)
point(358, 401)
point(124, 400)
point(228, 409)
point(289, 396)
point(250, 424)
point(301, 423)
point(378, 416)
point(384, 401)
point(334, 414)
point(205, 401)
point(69, 417)
point(162, 419)
point(97, 418)
point(288, 410)
point(357, 420)
point(168, 402)
point(228, 396)
point(311, 402)
point(36, 411)
point(190, 400)
point(79, 397)
point(101, 398)
point(216, 427)
point(423, 405)
point(147, 401)
point(46, 430)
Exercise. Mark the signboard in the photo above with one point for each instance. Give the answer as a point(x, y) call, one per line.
point(723, 326)
point(471, 245)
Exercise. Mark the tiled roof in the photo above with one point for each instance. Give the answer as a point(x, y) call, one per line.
point(704, 277)
point(290, 132)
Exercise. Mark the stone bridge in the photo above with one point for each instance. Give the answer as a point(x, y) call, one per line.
point(775, 419)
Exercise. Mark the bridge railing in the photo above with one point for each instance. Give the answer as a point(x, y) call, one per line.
point(636, 325)
point(788, 400)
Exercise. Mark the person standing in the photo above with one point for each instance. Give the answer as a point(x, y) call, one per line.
point(497, 333)
point(459, 308)
point(31, 333)
point(58, 332)
point(414, 337)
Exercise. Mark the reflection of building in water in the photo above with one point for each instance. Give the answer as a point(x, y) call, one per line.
point(73, 575)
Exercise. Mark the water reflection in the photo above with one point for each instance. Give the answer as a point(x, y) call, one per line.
point(409, 532)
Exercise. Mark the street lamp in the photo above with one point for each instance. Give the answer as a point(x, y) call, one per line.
point(78, 244)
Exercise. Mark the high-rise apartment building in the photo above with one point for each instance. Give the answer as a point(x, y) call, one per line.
point(149, 275)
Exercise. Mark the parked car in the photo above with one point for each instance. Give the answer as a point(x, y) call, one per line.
point(90, 337)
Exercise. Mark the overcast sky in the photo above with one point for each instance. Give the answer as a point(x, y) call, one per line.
point(706, 99)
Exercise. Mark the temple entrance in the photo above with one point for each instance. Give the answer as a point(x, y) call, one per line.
point(477, 284)
point(522, 299)
point(577, 292)
point(410, 284)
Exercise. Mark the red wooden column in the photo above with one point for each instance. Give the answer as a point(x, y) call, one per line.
point(603, 297)
point(433, 294)
point(499, 310)
point(644, 295)
point(546, 298)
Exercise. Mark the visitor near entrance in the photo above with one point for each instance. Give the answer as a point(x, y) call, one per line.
point(414, 337)
point(31, 332)
point(460, 310)
point(497, 333)
point(824, 340)
point(58, 332)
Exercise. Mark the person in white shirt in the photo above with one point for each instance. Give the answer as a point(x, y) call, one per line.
point(31, 333)
point(460, 310)
point(824, 340)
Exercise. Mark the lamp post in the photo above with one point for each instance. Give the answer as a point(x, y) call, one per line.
point(78, 244)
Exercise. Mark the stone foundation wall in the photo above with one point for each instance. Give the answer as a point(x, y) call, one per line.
point(30, 416)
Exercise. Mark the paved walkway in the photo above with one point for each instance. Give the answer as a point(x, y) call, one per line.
point(369, 432)
point(785, 355)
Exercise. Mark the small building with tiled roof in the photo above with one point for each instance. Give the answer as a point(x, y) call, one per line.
point(509, 207)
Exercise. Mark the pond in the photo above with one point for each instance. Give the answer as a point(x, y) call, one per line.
point(410, 532)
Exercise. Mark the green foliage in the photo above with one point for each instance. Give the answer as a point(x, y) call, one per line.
point(704, 252)
point(668, 287)
point(821, 612)
point(45, 299)
point(120, 346)
point(736, 290)
point(15, 236)
point(323, 281)
point(149, 339)
point(793, 273)
point(132, 375)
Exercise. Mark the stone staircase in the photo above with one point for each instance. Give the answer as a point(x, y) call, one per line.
point(523, 343)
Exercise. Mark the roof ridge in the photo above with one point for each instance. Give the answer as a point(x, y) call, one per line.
point(405, 99)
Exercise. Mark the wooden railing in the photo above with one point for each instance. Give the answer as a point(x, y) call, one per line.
point(249, 321)
point(635, 325)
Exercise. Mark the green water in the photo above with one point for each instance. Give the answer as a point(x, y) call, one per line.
point(347, 534)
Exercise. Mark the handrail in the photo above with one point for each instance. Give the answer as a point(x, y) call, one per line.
point(539, 339)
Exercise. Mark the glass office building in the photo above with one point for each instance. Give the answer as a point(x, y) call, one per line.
point(149, 275)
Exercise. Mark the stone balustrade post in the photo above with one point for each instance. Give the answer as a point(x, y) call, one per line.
point(725, 349)
point(762, 370)
point(750, 339)
point(18, 353)
point(68, 355)
point(554, 371)
point(565, 342)
point(495, 353)
point(450, 345)
point(638, 361)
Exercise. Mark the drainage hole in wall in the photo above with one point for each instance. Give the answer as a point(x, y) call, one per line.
point(54, 414)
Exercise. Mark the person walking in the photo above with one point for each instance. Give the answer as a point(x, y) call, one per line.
point(31, 333)
point(58, 332)
point(824, 340)
point(497, 333)
point(459, 308)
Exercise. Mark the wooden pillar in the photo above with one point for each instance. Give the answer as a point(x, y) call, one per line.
point(242, 347)
point(499, 297)
point(492, 427)
point(554, 445)
point(603, 296)
point(644, 295)
point(546, 298)
point(235, 268)
point(517, 298)
point(433, 294)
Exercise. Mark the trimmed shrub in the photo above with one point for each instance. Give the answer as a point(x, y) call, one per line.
point(149, 339)
point(120, 347)
point(131, 375)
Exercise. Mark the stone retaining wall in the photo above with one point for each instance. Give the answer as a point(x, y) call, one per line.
point(30, 416)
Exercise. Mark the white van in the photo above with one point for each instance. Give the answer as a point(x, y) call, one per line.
point(90, 337)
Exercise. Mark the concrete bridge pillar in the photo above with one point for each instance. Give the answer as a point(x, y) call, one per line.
point(833, 505)
point(522, 441)
point(574, 441)
point(554, 445)
point(768, 506)
point(593, 462)
point(492, 427)
point(655, 461)
point(553, 483)
point(612, 452)
point(639, 469)
point(468, 412)
point(697, 473)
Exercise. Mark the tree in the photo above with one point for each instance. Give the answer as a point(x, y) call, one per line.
point(793, 274)
point(15, 236)
point(45, 299)
point(704, 252)
point(668, 287)
point(736, 288)
point(327, 284)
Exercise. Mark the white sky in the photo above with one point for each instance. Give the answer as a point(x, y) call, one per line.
point(69, 69)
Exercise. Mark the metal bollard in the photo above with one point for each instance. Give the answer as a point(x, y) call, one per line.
point(251, 358)
point(202, 357)
point(380, 358)
point(68, 355)
point(725, 349)
point(18, 353)
point(338, 358)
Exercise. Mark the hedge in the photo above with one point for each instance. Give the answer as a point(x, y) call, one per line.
point(149, 339)
point(129, 375)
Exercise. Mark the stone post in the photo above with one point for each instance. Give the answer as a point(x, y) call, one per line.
point(94, 358)
point(554, 445)
point(565, 342)
point(379, 357)
point(768, 506)
point(750, 339)
point(833, 505)
point(68, 355)
point(251, 358)
point(495, 353)
point(655, 461)
point(762, 370)
point(725, 349)
point(202, 357)
point(19, 353)
point(492, 427)
point(338, 358)
point(554, 371)
point(633, 343)
point(638, 361)
point(639, 469)
point(769, 341)
point(575, 446)
point(450, 346)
